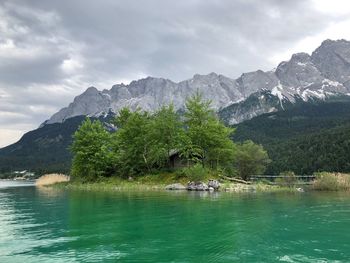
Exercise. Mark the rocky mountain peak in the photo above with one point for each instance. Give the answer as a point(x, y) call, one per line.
point(205, 78)
point(331, 43)
point(339, 48)
point(148, 85)
point(298, 72)
point(332, 58)
point(91, 90)
point(257, 80)
point(301, 57)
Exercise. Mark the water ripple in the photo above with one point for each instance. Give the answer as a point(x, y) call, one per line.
point(48, 226)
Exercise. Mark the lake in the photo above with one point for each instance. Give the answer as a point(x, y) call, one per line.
point(47, 225)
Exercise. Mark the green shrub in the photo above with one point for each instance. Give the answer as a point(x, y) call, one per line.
point(228, 171)
point(250, 159)
point(331, 182)
point(180, 173)
point(288, 179)
point(264, 181)
point(196, 172)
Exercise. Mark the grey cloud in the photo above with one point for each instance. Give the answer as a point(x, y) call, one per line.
point(23, 72)
point(154, 36)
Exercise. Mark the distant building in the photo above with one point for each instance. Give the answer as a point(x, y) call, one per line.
point(20, 172)
point(178, 161)
point(24, 174)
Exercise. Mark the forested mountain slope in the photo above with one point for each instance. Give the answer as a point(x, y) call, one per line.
point(309, 137)
point(43, 150)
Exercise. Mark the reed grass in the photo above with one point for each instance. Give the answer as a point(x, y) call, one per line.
point(49, 179)
point(332, 182)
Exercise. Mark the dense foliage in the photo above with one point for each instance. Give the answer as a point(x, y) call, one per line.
point(92, 155)
point(250, 159)
point(144, 143)
point(307, 138)
point(207, 137)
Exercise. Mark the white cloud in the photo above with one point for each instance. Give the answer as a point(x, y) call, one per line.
point(9, 50)
point(8, 136)
point(339, 30)
point(335, 7)
point(71, 65)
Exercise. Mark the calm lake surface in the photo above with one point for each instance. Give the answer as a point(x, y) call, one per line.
point(45, 225)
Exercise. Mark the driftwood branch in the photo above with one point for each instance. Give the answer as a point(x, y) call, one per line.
point(235, 180)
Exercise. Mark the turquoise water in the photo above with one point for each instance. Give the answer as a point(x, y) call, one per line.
point(42, 225)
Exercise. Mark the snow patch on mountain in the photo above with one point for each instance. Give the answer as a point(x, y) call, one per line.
point(277, 91)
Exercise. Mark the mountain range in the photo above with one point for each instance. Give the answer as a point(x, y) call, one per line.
point(305, 78)
point(324, 73)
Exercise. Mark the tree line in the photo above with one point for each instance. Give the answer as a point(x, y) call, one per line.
point(144, 142)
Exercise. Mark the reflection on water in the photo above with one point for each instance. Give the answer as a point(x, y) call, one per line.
point(48, 225)
point(14, 183)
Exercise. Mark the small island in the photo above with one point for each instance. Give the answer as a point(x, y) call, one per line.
point(168, 150)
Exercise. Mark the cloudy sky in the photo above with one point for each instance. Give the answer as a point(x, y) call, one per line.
point(51, 51)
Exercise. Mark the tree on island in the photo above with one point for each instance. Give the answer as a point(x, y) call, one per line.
point(207, 135)
point(144, 141)
point(91, 153)
point(250, 159)
point(165, 134)
point(131, 147)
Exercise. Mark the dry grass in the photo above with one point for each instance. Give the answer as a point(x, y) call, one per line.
point(49, 179)
point(332, 182)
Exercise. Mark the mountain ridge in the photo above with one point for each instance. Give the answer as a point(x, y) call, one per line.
point(302, 76)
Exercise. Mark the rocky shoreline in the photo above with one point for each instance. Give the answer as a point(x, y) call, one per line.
point(212, 185)
point(215, 186)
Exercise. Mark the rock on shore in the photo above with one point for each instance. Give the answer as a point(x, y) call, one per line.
point(176, 186)
point(197, 186)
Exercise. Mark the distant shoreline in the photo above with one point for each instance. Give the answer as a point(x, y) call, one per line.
point(324, 182)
